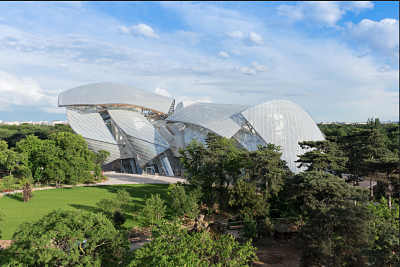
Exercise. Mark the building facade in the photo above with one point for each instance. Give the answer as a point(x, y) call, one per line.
point(143, 131)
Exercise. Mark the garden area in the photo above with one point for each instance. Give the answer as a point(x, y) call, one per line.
point(236, 207)
point(44, 201)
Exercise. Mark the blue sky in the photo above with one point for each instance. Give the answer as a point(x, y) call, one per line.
point(337, 60)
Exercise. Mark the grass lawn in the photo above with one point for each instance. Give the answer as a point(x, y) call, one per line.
point(84, 198)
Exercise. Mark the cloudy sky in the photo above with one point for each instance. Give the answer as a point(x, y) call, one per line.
point(337, 60)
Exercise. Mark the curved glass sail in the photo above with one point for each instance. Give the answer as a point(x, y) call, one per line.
point(285, 124)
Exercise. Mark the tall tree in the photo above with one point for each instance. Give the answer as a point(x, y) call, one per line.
point(76, 159)
point(218, 163)
point(265, 167)
point(12, 160)
point(336, 229)
point(359, 146)
point(322, 156)
point(245, 200)
point(388, 166)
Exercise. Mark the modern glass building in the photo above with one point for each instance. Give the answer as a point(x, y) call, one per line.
point(143, 131)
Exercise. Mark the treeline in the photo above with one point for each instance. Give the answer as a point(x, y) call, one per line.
point(390, 132)
point(369, 151)
point(15, 133)
point(61, 157)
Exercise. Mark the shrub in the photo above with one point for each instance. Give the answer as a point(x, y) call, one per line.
point(249, 229)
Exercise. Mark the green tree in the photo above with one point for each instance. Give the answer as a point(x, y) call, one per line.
point(97, 171)
point(265, 167)
point(66, 238)
point(183, 202)
point(245, 200)
point(322, 156)
point(178, 199)
point(8, 182)
point(3, 145)
point(101, 156)
point(11, 160)
point(336, 229)
point(219, 162)
point(31, 146)
point(121, 203)
point(154, 207)
point(385, 250)
point(174, 246)
point(119, 219)
point(388, 166)
point(2, 220)
point(360, 146)
point(249, 229)
point(76, 159)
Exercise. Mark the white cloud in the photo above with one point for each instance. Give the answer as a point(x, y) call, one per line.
point(162, 92)
point(356, 6)
point(256, 68)
point(223, 54)
point(259, 68)
point(251, 39)
point(236, 34)
point(186, 101)
point(322, 13)
point(124, 29)
point(26, 92)
point(236, 52)
point(378, 35)
point(140, 29)
point(246, 70)
point(254, 38)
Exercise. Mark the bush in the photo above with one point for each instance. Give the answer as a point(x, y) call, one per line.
point(154, 207)
point(8, 182)
point(265, 228)
point(249, 229)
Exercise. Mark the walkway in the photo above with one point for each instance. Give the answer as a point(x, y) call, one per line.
point(118, 178)
point(124, 178)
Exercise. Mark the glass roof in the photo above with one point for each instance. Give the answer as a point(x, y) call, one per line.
point(284, 123)
point(136, 125)
point(222, 119)
point(114, 93)
point(143, 137)
point(87, 122)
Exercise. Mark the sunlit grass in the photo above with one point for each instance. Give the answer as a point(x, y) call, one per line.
point(44, 201)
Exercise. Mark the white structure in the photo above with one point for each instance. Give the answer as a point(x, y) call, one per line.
point(142, 131)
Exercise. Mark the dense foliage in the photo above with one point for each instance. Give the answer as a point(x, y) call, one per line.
point(183, 201)
point(372, 151)
point(66, 238)
point(12, 134)
point(63, 157)
point(174, 246)
point(336, 229)
point(221, 162)
point(385, 249)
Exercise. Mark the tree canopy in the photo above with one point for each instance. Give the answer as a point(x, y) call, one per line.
point(66, 238)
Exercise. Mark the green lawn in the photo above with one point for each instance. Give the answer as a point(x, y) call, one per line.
point(84, 198)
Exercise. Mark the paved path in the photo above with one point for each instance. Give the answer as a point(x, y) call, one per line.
point(123, 178)
point(119, 178)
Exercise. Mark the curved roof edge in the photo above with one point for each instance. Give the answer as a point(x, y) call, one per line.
point(108, 93)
